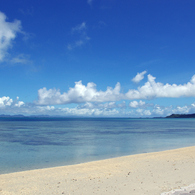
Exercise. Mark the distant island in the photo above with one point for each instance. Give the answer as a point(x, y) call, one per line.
point(181, 116)
point(21, 117)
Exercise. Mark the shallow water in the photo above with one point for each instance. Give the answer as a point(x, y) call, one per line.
point(36, 143)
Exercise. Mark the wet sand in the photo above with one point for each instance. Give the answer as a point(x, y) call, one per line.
point(148, 173)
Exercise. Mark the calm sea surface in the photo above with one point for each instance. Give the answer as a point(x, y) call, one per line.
point(36, 143)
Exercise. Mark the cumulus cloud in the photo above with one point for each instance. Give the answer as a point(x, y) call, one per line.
point(10, 106)
point(135, 104)
point(79, 94)
point(152, 89)
point(6, 101)
point(142, 112)
point(92, 102)
point(139, 77)
point(8, 32)
point(182, 109)
point(19, 104)
point(158, 110)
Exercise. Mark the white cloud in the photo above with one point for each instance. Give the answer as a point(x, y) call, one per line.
point(147, 112)
point(139, 77)
point(135, 104)
point(8, 32)
point(89, 112)
point(79, 28)
point(151, 90)
point(6, 102)
point(45, 108)
point(92, 102)
point(165, 111)
point(142, 112)
point(83, 38)
point(183, 109)
point(19, 104)
point(82, 41)
point(76, 111)
point(107, 105)
point(10, 106)
point(158, 111)
point(21, 59)
point(79, 94)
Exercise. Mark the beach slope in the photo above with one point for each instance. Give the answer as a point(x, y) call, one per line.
point(149, 174)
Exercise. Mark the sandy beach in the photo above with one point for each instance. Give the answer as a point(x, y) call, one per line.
point(148, 173)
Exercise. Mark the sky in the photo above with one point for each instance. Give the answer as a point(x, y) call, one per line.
point(97, 58)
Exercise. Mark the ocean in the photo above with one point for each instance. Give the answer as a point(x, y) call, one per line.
point(34, 143)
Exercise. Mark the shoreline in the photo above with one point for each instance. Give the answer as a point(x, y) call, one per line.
point(146, 173)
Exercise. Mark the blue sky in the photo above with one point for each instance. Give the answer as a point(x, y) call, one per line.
point(97, 58)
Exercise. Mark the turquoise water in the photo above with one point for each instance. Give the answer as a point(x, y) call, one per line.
point(37, 143)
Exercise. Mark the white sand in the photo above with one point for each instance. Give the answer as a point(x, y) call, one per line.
point(150, 174)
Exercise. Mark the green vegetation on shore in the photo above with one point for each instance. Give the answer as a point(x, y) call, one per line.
point(181, 116)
